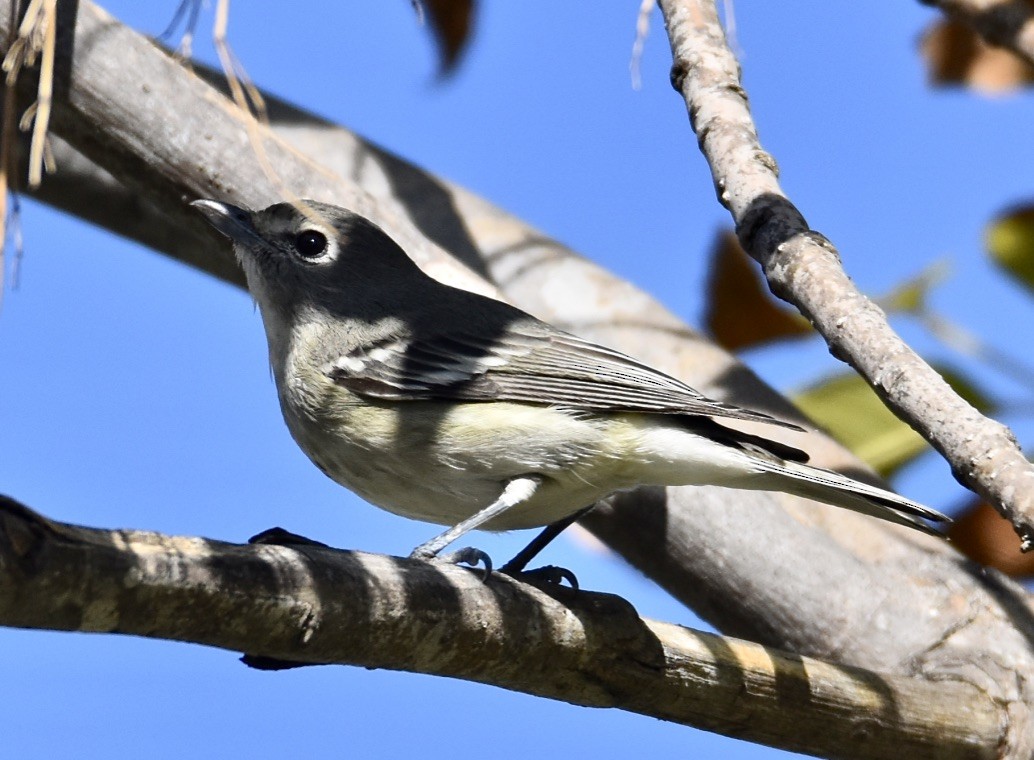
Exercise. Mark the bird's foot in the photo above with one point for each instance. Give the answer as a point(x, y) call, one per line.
point(261, 662)
point(550, 575)
point(468, 555)
point(280, 537)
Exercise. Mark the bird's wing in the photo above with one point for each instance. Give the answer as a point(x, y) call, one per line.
point(525, 362)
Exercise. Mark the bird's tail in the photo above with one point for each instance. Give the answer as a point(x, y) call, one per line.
point(840, 491)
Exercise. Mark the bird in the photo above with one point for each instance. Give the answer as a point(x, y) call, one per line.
point(454, 408)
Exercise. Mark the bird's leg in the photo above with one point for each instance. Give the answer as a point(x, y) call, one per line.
point(516, 492)
point(549, 573)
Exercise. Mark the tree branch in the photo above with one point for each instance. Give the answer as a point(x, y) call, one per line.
point(747, 561)
point(1006, 23)
point(804, 268)
point(319, 606)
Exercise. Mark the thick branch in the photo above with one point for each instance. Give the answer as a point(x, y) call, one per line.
point(804, 268)
point(314, 605)
point(1006, 23)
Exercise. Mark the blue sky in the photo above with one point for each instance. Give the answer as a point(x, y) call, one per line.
point(135, 392)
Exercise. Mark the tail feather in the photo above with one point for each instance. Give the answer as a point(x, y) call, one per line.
point(833, 488)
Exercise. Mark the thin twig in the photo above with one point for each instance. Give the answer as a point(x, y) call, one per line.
point(7, 160)
point(185, 49)
point(418, 9)
point(248, 99)
point(972, 345)
point(642, 28)
point(804, 268)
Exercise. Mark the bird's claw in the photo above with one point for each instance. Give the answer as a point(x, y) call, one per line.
point(280, 537)
point(468, 555)
point(261, 662)
point(552, 575)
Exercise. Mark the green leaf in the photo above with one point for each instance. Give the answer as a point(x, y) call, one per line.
point(910, 297)
point(851, 411)
point(1010, 241)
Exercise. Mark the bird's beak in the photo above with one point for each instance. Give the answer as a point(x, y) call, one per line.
point(232, 221)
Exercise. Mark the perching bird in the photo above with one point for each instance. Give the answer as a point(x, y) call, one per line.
point(447, 406)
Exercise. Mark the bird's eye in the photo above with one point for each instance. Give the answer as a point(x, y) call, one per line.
point(310, 243)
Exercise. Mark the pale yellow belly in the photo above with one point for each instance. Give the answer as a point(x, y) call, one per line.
point(443, 462)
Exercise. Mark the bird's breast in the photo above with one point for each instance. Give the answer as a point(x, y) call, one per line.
point(442, 462)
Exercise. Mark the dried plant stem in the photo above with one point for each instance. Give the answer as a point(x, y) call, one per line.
point(37, 36)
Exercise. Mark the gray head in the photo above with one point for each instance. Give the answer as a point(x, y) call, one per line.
point(311, 254)
point(321, 274)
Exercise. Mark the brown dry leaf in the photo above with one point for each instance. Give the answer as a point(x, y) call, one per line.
point(982, 535)
point(740, 312)
point(956, 55)
point(452, 22)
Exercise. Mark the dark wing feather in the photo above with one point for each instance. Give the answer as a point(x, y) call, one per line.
point(527, 362)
